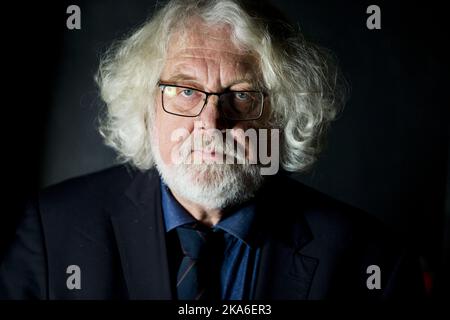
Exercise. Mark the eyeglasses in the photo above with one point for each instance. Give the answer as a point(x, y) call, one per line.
point(233, 105)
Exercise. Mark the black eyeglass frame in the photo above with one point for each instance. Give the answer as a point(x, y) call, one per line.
point(162, 85)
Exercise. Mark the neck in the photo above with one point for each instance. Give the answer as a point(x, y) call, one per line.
point(208, 217)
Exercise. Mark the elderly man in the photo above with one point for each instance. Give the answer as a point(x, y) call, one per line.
point(204, 102)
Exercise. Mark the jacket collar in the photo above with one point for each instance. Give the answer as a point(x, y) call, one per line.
point(284, 271)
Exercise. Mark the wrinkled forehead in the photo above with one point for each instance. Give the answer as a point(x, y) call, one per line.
point(196, 37)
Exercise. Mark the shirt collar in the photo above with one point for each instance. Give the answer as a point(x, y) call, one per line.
point(239, 222)
point(174, 214)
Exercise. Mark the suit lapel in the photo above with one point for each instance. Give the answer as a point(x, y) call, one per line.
point(138, 227)
point(284, 273)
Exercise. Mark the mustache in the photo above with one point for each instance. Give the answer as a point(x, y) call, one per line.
point(212, 143)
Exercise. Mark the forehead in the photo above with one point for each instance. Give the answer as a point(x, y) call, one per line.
point(200, 35)
point(200, 43)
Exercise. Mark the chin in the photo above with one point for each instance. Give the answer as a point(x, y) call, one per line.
point(211, 185)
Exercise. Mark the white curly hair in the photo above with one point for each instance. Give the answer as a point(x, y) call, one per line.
point(304, 84)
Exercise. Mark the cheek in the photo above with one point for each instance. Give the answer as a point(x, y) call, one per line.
point(258, 136)
point(244, 141)
point(170, 133)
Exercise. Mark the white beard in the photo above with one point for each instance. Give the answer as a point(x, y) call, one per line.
point(211, 185)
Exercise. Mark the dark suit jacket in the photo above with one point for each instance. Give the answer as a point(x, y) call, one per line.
point(110, 224)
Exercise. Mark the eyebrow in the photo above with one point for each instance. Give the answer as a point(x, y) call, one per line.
point(181, 77)
point(184, 77)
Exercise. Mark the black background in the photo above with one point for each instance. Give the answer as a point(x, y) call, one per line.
point(388, 153)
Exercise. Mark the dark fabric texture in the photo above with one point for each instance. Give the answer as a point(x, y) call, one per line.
point(110, 225)
point(199, 273)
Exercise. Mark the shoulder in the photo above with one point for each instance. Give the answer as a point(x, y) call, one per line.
point(347, 241)
point(332, 222)
point(92, 189)
point(96, 184)
point(85, 197)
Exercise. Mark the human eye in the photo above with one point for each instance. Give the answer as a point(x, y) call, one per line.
point(242, 96)
point(187, 92)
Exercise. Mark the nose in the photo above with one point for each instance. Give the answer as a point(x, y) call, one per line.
point(211, 117)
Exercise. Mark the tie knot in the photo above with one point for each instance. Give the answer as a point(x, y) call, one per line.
point(198, 242)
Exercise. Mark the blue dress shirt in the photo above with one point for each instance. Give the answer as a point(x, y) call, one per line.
point(241, 250)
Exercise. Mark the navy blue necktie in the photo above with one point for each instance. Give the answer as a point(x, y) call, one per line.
point(198, 276)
